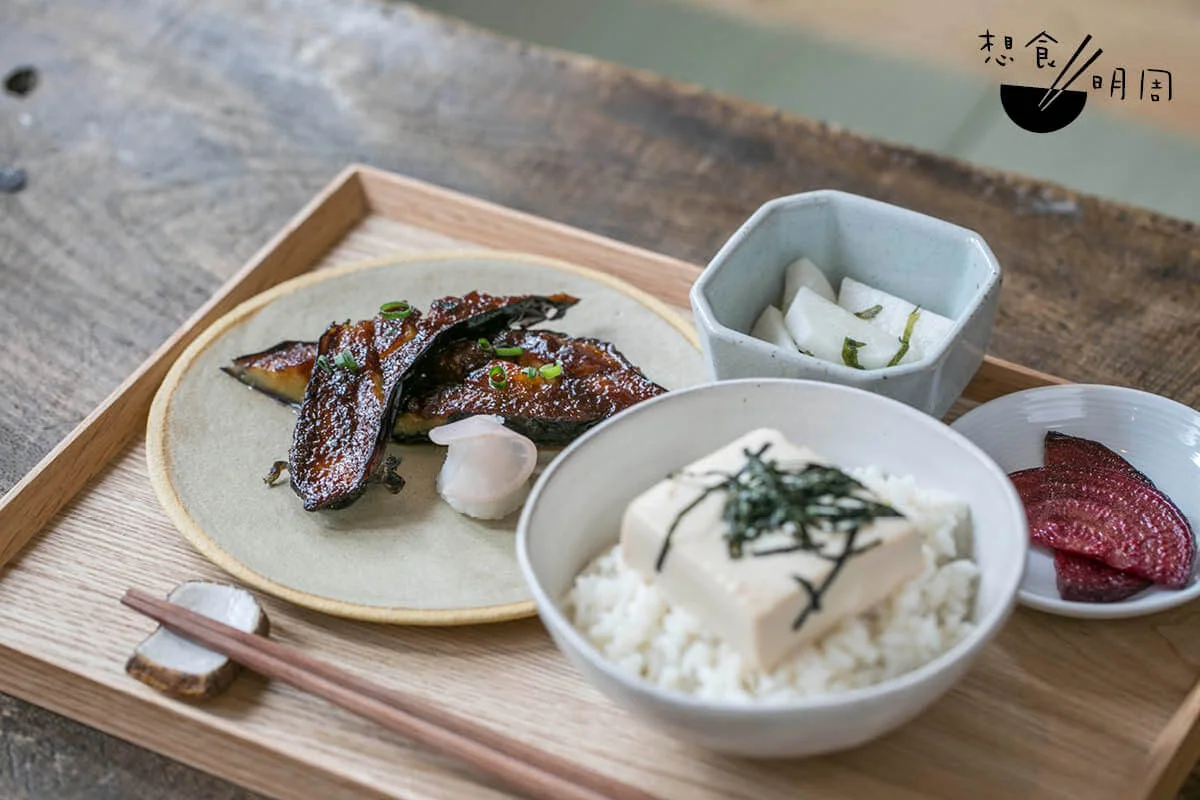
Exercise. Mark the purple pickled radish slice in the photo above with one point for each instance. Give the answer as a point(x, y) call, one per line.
point(1109, 516)
point(1086, 580)
point(1066, 450)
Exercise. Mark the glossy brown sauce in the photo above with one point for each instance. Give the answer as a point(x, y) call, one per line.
point(597, 381)
point(347, 415)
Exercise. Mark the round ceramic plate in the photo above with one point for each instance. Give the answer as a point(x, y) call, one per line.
point(1157, 436)
point(404, 558)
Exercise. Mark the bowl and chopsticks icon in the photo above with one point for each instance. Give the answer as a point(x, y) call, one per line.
point(1039, 110)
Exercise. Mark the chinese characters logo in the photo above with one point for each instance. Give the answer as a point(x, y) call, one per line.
point(1047, 108)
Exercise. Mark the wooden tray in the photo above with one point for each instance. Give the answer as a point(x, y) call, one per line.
point(1055, 708)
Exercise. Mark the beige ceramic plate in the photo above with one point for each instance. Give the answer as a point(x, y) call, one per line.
point(406, 558)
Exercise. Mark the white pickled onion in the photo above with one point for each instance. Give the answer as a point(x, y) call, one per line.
point(487, 467)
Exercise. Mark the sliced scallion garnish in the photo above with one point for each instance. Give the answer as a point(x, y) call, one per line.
point(551, 370)
point(509, 351)
point(530, 372)
point(850, 350)
point(398, 309)
point(323, 363)
point(497, 377)
point(869, 313)
point(908, 331)
point(346, 361)
point(485, 346)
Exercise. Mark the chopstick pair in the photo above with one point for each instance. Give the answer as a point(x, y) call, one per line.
point(537, 773)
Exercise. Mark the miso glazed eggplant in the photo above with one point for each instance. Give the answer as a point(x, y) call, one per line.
point(546, 385)
point(281, 371)
point(363, 372)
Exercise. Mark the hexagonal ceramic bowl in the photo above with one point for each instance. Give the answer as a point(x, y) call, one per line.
point(932, 263)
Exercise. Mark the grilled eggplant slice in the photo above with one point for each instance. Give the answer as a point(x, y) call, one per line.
point(281, 371)
point(361, 375)
point(337, 444)
point(597, 381)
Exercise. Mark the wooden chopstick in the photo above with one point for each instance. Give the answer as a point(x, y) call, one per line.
point(535, 772)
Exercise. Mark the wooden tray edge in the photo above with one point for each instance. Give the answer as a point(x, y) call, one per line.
point(1172, 756)
point(250, 764)
point(997, 377)
point(499, 227)
point(64, 471)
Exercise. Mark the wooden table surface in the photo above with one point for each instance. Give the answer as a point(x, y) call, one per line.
point(167, 140)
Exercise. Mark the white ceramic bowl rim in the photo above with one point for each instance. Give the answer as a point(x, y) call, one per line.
point(982, 630)
point(1140, 395)
point(767, 208)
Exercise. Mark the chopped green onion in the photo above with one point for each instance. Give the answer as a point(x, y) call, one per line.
point(485, 346)
point(497, 377)
point(551, 370)
point(850, 350)
point(908, 330)
point(530, 372)
point(509, 351)
point(346, 361)
point(869, 313)
point(323, 363)
point(395, 310)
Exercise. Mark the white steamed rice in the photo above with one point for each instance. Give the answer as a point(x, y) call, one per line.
point(634, 626)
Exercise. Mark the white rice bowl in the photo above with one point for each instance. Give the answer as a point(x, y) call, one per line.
point(630, 622)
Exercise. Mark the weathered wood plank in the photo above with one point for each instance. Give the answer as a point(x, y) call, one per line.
point(167, 141)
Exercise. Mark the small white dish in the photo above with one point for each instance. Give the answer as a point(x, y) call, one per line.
point(1158, 436)
point(938, 265)
point(574, 514)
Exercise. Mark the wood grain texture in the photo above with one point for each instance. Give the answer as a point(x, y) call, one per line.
point(30, 504)
point(1172, 755)
point(525, 769)
point(1013, 723)
point(168, 140)
point(50, 756)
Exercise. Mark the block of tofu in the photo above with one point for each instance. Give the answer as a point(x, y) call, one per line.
point(753, 602)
